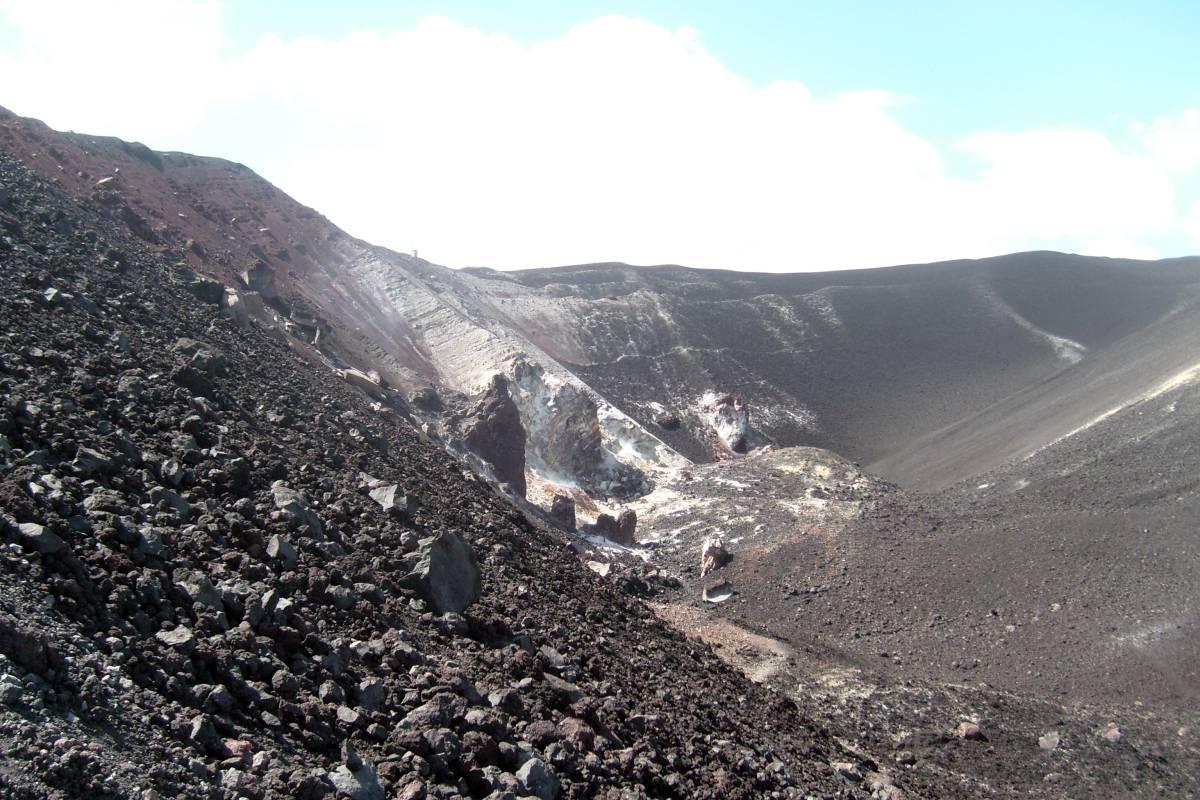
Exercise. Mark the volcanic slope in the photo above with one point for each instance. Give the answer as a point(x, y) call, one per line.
point(199, 599)
point(1070, 575)
point(924, 372)
point(866, 363)
point(877, 364)
point(1055, 596)
point(1162, 356)
point(409, 325)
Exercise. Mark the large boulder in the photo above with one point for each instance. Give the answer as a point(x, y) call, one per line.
point(493, 431)
point(729, 417)
point(627, 526)
point(618, 529)
point(204, 289)
point(564, 424)
point(369, 382)
point(260, 278)
point(562, 510)
point(445, 573)
point(713, 555)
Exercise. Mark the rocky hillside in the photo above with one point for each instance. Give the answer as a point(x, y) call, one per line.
point(287, 514)
point(885, 367)
point(226, 575)
point(393, 324)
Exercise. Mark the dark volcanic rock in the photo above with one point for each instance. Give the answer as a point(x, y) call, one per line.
point(562, 510)
point(626, 527)
point(492, 430)
point(445, 574)
point(620, 529)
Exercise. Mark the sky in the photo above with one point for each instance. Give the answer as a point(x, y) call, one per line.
point(774, 136)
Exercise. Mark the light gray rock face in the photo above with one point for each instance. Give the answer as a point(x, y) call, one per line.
point(445, 573)
point(561, 423)
point(729, 416)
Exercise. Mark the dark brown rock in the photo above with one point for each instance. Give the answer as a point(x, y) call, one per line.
point(493, 431)
point(562, 509)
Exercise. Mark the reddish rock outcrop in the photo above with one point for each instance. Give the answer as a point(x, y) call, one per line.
point(713, 555)
point(620, 529)
point(493, 431)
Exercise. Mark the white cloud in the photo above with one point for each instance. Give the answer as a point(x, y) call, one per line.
point(133, 68)
point(1119, 248)
point(1174, 141)
point(1069, 183)
point(619, 139)
point(1191, 223)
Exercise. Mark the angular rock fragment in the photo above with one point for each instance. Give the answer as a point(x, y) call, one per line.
point(539, 780)
point(193, 380)
point(24, 645)
point(615, 530)
point(41, 538)
point(729, 417)
point(281, 550)
point(293, 504)
point(394, 501)
point(89, 462)
point(357, 784)
point(203, 735)
point(445, 574)
point(181, 639)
